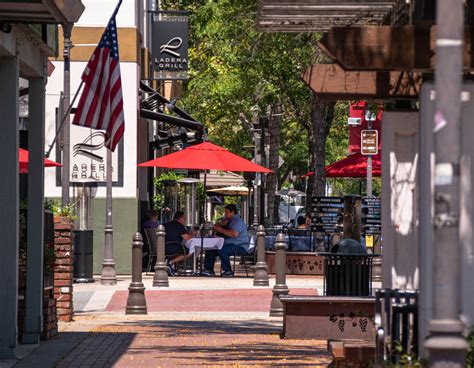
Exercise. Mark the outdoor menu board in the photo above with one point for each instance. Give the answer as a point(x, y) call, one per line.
point(371, 219)
point(327, 214)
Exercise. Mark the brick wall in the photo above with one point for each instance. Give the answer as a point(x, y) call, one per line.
point(50, 321)
point(63, 271)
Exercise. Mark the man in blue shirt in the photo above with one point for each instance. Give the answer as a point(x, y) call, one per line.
point(236, 241)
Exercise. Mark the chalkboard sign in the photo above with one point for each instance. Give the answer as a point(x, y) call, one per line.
point(327, 214)
point(371, 216)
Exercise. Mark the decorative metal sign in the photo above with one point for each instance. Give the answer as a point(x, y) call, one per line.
point(170, 45)
point(87, 157)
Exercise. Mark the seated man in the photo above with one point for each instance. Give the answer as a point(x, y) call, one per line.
point(175, 234)
point(236, 241)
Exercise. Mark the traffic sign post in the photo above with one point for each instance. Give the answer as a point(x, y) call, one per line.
point(369, 146)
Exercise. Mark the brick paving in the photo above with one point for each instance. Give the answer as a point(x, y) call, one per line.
point(237, 300)
point(178, 343)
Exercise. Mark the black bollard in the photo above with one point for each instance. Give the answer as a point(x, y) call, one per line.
point(261, 268)
point(161, 270)
point(280, 288)
point(136, 302)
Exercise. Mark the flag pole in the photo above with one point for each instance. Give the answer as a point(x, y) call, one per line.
point(109, 275)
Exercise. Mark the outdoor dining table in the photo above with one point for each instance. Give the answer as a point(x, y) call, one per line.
point(208, 244)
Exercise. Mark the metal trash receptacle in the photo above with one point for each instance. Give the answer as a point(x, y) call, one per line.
point(83, 253)
point(347, 270)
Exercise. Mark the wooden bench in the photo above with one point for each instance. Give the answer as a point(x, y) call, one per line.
point(328, 317)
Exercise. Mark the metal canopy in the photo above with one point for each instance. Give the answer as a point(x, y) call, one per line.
point(41, 11)
point(321, 15)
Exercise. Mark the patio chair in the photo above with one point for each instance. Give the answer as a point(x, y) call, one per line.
point(247, 259)
point(151, 239)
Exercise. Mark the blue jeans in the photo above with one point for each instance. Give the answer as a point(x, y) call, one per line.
point(224, 254)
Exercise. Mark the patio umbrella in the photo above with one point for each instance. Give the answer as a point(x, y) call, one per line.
point(23, 159)
point(231, 191)
point(354, 166)
point(205, 156)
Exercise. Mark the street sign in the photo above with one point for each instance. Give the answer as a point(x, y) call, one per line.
point(369, 142)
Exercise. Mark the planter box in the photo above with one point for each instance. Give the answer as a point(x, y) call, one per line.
point(298, 263)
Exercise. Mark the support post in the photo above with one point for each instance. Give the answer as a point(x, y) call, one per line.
point(35, 241)
point(108, 276)
point(369, 166)
point(280, 288)
point(446, 344)
point(9, 206)
point(261, 268)
point(352, 217)
point(136, 302)
point(65, 198)
point(161, 273)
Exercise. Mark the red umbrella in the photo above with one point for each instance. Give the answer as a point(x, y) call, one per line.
point(354, 166)
point(23, 159)
point(205, 156)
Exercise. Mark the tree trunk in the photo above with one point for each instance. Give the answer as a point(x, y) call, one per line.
point(322, 115)
point(272, 179)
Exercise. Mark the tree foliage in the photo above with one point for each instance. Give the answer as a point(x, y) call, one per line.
point(236, 72)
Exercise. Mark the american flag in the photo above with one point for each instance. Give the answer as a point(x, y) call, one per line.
point(101, 103)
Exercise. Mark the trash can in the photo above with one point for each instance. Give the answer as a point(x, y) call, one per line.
point(83, 252)
point(347, 270)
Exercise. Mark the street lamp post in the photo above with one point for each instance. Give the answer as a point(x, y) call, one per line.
point(65, 181)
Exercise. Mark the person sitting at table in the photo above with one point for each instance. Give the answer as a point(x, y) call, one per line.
point(151, 220)
point(176, 233)
point(236, 241)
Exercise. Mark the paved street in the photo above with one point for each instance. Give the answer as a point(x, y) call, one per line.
point(194, 322)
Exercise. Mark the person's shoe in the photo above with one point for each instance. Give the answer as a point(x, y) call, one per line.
point(171, 270)
point(227, 274)
point(208, 273)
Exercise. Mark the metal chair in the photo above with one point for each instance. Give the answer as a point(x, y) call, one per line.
point(249, 258)
point(151, 240)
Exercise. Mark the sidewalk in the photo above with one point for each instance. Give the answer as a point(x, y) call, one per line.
point(194, 322)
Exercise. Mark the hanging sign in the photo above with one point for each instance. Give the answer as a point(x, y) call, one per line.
point(170, 45)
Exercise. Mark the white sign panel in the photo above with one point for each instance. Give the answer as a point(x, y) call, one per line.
point(88, 155)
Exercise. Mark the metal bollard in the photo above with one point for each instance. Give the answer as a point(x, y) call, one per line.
point(261, 268)
point(161, 272)
point(280, 288)
point(136, 302)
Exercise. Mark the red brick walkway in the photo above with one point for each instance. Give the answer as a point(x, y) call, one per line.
point(194, 344)
point(234, 300)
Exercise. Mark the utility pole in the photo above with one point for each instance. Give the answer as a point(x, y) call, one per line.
point(446, 344)
point(67, 29)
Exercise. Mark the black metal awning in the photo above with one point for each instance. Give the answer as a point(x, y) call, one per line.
point(151, 107)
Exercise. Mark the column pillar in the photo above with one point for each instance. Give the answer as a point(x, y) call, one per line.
point(9, 206)
point(35, 241)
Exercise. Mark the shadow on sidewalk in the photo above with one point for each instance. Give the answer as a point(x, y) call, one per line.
point(175, 328)
point(81, 349)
